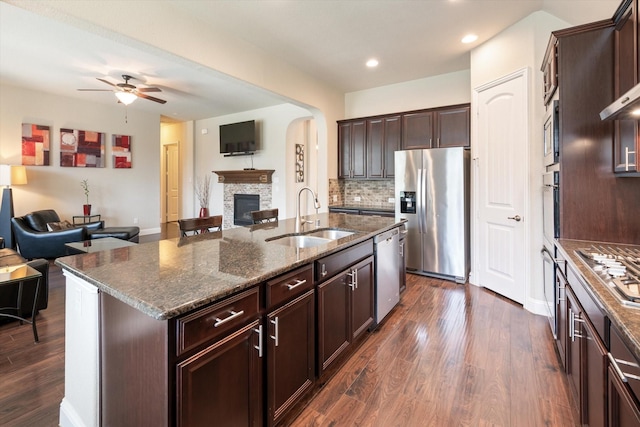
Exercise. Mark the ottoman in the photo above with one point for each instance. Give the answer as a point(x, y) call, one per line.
point(124, 233)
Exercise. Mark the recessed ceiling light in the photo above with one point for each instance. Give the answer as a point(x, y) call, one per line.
point(636, 112)
point(372, 63)
point(469, 38)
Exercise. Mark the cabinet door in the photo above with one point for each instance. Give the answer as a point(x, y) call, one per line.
point(344, 150)
point(623, 410)
point(626, 67)
point(417, 130)
point(392, 143)
point(222, 383)
point(334, 330)
point(290, 354)
point(358, 149)
point(376, 148)
point(562, 336)
point(361, 287)
point(594, 371)
point(453, 127)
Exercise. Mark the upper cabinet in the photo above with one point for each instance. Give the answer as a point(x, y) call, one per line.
point(352, 149)
point(626, 73)
point(366, 146)
point(550, 71)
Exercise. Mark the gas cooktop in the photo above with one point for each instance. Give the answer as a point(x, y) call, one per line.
point(618, 268)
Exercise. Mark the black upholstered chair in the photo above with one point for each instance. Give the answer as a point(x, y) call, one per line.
point(9, 293)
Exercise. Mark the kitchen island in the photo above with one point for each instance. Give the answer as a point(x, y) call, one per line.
point(137, 317)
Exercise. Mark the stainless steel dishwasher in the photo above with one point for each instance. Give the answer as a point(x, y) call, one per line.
point(387, 266)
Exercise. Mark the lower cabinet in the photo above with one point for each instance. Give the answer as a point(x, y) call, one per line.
point(223, 382)
point(623, 384)
point(345, 310)
point(290, 354)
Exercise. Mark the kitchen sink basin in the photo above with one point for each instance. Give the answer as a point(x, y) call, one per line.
point(311, 239)
point(301, 241)
point(331, 234)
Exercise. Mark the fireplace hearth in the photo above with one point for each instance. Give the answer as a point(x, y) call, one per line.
point(243, 204)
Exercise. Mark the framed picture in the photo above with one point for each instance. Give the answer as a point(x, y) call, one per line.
point(81, 148)
point(35, 145)
point(299, 162)
point(121, 151)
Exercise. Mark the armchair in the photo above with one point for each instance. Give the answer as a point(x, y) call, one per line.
point(34, 240)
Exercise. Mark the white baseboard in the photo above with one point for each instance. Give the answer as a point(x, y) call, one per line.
point(536, 306)
point(68, 415)
point(147, 231)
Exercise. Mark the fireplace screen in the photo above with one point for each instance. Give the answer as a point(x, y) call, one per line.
point(243, 204)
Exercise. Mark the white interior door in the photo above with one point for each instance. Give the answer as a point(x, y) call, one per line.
point(172, 182)
point(501, 172)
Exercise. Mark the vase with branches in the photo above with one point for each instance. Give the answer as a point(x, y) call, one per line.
point(203, 192)
point(85, 186)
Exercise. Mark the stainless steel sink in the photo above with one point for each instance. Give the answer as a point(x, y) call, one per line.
point(311, 239)
point(301, 241)
point(331, 234)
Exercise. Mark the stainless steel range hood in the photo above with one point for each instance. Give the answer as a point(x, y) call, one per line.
point(627, 107)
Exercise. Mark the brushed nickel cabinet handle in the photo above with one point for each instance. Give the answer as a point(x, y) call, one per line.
point(296, 284)
point(276, 327)
point(259, 346)
point(234, 315)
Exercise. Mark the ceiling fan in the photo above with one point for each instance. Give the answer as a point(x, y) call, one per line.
point(127, 93)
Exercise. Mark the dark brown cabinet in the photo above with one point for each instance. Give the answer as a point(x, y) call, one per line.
point(345, 310)
point(352, 149)
point(626, 137)
point(290, 340)
point(586, 354)
point(550, 72)
point(417, 130)
point(383, 139)
point(452, 127)
point(562, 318)
point(290, 354)
point(223, 382)
point(623, 384)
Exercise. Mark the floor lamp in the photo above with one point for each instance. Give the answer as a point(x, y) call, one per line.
point(9, 175)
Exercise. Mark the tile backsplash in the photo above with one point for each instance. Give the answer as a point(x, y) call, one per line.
point(371, 193)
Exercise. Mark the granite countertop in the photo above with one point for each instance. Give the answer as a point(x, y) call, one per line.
point(625, 319)
point(170, 277)
point(384, 208)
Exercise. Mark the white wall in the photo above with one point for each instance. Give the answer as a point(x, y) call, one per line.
point(437, 91)
point(522, 46)
point(274, 129)
point(119, 195)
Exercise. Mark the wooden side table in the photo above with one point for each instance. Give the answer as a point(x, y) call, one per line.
point(85, 219)
point(19, 274)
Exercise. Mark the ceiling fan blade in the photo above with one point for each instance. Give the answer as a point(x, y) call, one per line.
point(105, 81)
point(95, 90)
point(150, 98)
point(149, 89)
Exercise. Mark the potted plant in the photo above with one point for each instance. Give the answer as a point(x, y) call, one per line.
point(203, 191)
point(85, 186)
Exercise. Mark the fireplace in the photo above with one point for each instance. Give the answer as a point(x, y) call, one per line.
point(243, 204)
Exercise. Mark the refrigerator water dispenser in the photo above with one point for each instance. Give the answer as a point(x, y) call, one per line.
point(408, 202)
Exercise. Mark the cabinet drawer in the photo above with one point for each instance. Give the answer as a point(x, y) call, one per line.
point(288, 286)
point(213, 322)
point(626, 362)
point(591, 308)
point(333, 264)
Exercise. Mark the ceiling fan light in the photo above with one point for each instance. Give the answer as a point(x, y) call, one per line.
point(126, 97)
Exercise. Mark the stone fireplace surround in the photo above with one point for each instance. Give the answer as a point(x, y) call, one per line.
point(244, 182)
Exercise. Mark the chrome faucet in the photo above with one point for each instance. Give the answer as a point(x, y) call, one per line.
point(316, 205)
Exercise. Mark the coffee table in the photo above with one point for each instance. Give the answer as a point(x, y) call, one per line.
point(19, 274)
point(96, 245)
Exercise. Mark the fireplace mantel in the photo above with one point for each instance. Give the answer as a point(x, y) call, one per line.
point(255, 176)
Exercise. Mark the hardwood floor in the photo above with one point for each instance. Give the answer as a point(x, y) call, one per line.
point(447, 355)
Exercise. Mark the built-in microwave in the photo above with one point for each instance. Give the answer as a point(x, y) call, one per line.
point(552, 134)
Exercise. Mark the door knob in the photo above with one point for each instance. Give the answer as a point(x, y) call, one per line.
point(517, 217)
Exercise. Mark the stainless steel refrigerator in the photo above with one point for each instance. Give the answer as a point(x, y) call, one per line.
point(432, 193)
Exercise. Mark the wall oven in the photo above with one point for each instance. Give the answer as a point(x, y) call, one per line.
point(552, 134)
point(551, 230)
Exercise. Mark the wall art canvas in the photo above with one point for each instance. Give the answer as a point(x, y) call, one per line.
point(81, 148)
point(121, 150)
point(35, 145)
point(299, 163)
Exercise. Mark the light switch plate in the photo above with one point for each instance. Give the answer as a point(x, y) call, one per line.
point(392, 199)
point(356, 199)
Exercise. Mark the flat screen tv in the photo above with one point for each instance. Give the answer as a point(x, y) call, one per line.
point(236, 138)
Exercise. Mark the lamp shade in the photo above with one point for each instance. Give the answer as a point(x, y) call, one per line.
point(18, 175)
point(126, 97)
